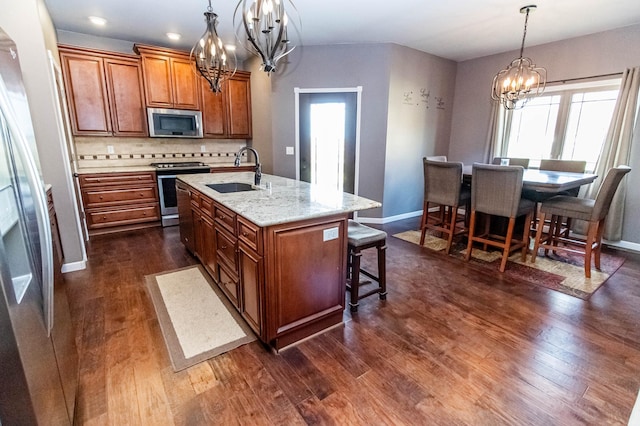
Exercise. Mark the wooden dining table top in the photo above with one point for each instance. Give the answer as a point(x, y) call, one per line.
point(547, 180)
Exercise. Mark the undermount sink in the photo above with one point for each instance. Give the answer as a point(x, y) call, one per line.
point(231, 187)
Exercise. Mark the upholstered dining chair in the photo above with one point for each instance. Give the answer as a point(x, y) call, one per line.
point(592, 211)
point(572, 166)
point(524, 162)
point(436, 158)
point(443, 186)
point(496, 191)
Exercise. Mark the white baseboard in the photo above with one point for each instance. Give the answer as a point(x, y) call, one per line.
point(75, 266)
point(623, 245)
point(385, 220)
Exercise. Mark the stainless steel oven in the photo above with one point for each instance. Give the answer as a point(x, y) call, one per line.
point(166, 174)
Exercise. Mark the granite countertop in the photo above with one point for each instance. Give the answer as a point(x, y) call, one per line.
point(288, 200)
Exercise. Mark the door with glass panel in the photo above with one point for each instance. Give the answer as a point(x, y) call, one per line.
point(327, 139)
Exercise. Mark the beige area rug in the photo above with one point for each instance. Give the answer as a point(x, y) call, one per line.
point(196, 319)
point(563, 272)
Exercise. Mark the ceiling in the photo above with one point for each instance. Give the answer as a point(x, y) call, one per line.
point(453, 29)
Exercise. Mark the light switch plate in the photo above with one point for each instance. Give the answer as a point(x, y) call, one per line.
point(289, 150)
point(203, 148)
point(110, 149)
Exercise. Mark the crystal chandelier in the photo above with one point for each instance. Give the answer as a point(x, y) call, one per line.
point(263, 30)
point(521, 80)
point(210, 56)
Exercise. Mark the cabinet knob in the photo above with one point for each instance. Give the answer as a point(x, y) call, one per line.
point(221, 217)
point(245, 234)
point(223, 247)
point(142, 194)
point(101, 197)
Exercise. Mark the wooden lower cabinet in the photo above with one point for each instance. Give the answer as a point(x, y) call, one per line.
point(117, 201)
point(287, 280)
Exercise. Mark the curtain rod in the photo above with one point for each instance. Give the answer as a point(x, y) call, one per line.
point(584, 78)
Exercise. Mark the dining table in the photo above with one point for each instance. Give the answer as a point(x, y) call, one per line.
point(545, 181)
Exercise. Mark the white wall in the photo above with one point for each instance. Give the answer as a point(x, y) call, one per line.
point(29, 25)
point(595, 54)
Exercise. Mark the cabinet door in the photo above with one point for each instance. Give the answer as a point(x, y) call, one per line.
point(198, 235)
point(214, 114)
point(251, 284)
point(157, 81)
point(186, 217)
point(209, 245)
point(126, 95)
point(239, 107)
point(86, 94)
point(185, 84)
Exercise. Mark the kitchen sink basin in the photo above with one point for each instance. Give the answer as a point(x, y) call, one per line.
point(231, 187)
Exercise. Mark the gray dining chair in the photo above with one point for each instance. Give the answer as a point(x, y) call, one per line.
point(443, 186)
point(592, 211)
point(572, 166)
point(496, 191)
point(524, 162)
point(436, 158)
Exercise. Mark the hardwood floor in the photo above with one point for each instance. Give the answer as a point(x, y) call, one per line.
point(452, 344)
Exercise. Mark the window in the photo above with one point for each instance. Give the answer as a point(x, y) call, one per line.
point(568, 122)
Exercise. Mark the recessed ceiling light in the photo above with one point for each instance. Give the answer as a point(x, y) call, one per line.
point(97, 20)
point(230, 47)
point(174, 36)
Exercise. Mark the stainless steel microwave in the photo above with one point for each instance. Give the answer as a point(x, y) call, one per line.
point(174, 123)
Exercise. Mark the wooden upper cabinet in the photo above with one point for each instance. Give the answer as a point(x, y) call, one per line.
point(104, 92)
point(157, 80)
point(227, 114)
point(169, 78)
point(238, 91)
point(86, 91)
point(214, 114)
point(126, 97)
point(185, 84)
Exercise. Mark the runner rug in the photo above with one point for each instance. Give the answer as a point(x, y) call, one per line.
point(563, 272)
point(196, 320)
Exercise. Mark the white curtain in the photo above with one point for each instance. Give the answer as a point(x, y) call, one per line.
point(616, 151)
point(495, 142)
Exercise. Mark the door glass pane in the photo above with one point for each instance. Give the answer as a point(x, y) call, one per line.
point(327, 130)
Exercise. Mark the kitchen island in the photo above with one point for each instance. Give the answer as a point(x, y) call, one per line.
point(278, 251)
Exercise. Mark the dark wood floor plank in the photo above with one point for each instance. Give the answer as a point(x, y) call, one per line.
point(453, 344)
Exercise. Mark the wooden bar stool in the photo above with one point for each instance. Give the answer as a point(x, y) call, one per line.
point(361, 237)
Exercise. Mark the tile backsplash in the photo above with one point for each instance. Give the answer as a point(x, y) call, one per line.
point(94, 152)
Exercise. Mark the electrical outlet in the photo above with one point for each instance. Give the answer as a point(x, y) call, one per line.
point(203, 148)
point(110, 149)
point(330, 234)
point(289, 150)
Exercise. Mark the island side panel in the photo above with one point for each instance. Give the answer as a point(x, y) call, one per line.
point(306, 278)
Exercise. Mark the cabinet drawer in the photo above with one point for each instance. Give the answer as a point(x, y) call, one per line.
point(110, 197)
point(226, 249)
point(113, 217)
point(118, 179)
point(250, 234)
point(228, 282)
point(225, 218)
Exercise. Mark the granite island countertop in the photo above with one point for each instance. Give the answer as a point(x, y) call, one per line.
point(288, 200)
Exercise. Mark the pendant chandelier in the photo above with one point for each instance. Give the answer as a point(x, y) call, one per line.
point(521, 80)
point(211, 58)
point(264, 29)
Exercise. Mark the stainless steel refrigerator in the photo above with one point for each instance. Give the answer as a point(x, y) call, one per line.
point(38, 376)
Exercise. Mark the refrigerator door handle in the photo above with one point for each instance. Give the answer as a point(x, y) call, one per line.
point(40, 202)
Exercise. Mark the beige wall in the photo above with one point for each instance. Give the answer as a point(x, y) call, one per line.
point(262, 114)
point(595, 54)
point(29, 24)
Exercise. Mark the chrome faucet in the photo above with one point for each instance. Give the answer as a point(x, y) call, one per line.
point(258, 176)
